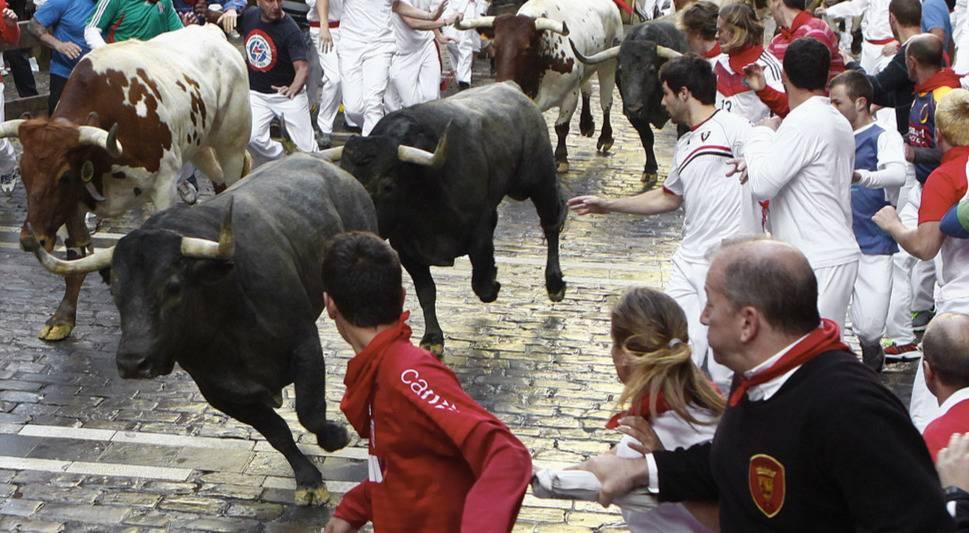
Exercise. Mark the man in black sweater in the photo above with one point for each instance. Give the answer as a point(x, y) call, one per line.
point(892, 85)
point(810, 440)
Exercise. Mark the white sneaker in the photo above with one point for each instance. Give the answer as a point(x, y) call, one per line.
point(92, 222)
point(188, 192)
point(9, 181)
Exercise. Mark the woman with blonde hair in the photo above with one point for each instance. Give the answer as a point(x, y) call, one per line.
point(741, 37)
point(668, 402)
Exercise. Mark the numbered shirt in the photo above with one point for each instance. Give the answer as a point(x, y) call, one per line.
point(716, 206)
point(737, 98)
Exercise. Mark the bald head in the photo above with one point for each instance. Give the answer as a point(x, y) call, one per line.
point(946, 348)
point(771, 276)
point(927, 50)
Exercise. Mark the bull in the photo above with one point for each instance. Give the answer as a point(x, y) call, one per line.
point(640, 55)
point(436, 173)
point(231, 289)
point(130, 115)
point(531, 50)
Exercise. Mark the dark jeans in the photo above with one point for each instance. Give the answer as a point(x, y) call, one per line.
point(23, 78)
point(56, 88)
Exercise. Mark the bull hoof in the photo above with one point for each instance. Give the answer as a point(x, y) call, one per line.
point(649, 179)
point(55, 332)
point(557, 296)
point(604, 145)
point(333, 437)
point(562, 167)
point(489, 295)
point(587, 129)
point(436, 349)
point(311, 495)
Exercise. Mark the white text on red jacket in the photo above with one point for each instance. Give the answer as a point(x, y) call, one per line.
point(423, 391)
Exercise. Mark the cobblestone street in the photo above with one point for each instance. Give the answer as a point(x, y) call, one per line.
point(83, 450)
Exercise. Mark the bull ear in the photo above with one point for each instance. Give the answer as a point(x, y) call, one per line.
point(87, 171)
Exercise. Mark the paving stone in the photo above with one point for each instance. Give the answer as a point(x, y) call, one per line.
point(261, 511)
point(67, 450)
point(222, 524)
point(20, 507)
point(95, 514)
point(30, 525)
point(49, 493)
point(138, 454)
point(159, 519)
point(129, 499)
point(192, 504)
point(213, 460)
point(17, 446)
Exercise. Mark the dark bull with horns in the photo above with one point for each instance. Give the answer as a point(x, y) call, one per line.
point(231, 290)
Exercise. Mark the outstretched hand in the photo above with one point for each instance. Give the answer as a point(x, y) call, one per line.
point(585, 205)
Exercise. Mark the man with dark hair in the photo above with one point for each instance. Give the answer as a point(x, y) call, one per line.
point(438, 461)
point(945, 361)
point(794, 450)
point(879, 172)
point(715, 207)
point(699, 23)
point(804, 167)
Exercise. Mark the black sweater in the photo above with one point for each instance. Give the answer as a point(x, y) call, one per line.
point(849, 456)
point(893, 88)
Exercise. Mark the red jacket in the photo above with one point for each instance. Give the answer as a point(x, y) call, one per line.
point(9, 30)
point(940, 430)
point(438, 460)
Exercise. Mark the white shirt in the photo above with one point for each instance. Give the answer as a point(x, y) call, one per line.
point(715, 206)
point(874, 26)
point(737, 98)
point(891, 163)
point(756, 393)
point(367, 21)
point(805, 169)
point(334, 14)
point(951, 401)
point(409, 40)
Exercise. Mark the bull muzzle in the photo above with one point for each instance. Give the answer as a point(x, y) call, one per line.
point(135, 365)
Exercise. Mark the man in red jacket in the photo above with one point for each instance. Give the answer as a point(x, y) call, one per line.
point(438, 461)
point(9, 34)
point(946, 358)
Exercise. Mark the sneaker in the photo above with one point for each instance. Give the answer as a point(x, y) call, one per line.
point(921, 319)
point(92, 222)
point(188, 191)
point(9, 181)
point(897, 353)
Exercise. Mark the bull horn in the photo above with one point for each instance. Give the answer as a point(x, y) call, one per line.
point(409, 154)
point(544, 24)
point(474, 23)
point(332, 154)
point(91, 263)
point(11, 128)
point(206, 249)
point(594, 59)
point(667, 53)
point(105, 139)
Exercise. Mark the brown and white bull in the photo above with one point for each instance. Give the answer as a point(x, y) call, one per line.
point(130, 116)
point(532, 49)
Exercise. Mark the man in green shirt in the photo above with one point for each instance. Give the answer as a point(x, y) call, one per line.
point(119, 20)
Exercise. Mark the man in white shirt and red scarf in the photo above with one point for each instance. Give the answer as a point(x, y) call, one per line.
point(794, 449)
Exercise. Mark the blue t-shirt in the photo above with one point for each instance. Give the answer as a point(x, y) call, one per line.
point(935, 14)
point(65, 20)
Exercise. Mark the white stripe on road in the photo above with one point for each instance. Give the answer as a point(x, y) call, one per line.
point(95, 469)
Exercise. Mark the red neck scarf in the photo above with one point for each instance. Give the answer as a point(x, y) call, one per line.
point(643, 411)
point(826, 338)
point(361, 375)
point(713, 52)
point(739, 59)
point(798, 21)
point(943, 78)
point(623, 6)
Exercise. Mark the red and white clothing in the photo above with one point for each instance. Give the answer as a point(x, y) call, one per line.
point(438, 460)
point(415, 72)
point(733, 95)
point(805, 170)
point(954, 419)
point(875, 28)
point(805, 25)
point(715, 207)
point(367, 46)
point(674, 432)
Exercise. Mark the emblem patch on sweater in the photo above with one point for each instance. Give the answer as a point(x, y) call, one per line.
point(765, 478)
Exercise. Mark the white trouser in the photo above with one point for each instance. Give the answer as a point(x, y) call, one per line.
point(365, 68)
point(869, 300)
point(295, 114)
point(686, 286)
point(872, 59)
point(330, 94)
point(924, 407)
point(835, 284)
point(461, 51)
point(898, 327)
point(414, 78)
point(8, 157)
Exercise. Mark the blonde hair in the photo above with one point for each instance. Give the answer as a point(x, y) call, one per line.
point(952, 117)
point(646, 325)
point(747, 29)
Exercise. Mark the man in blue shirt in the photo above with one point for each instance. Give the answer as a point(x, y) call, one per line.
point(59, 24)
point(935, 20)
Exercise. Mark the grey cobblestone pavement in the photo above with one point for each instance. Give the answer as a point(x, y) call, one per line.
point(83, 450)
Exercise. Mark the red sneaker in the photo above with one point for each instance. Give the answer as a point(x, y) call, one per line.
point(896, 353)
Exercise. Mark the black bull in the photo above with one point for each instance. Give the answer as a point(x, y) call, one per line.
point(240, 316)
point(488, 143)
point(641, 54)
